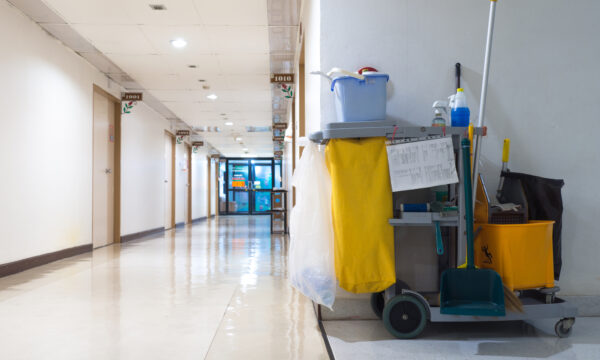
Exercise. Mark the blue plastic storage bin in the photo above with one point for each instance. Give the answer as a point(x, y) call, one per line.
point(360, 100)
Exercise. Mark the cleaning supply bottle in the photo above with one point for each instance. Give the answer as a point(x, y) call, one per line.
point(439, 108)
point(460, 113)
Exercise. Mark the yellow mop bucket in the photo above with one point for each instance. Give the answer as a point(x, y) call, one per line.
point(520, 253)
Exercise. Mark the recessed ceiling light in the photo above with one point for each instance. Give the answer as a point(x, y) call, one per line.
point(212, 97)
point(158, 7)
point(238, 139)
point(229, 123)
point(245, 149)
point(178, 43)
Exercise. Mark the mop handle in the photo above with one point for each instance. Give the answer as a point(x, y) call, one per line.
point(466, 151)
point(484, 86)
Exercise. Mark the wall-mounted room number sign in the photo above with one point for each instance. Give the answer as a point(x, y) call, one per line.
point(183, 133)
point(137, 96)
point(198, 143)
point(282, 78)
point(278, 153)
point(281, 126)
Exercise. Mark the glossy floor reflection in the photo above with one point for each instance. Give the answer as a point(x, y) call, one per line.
point(368, 339)
point(214, 290)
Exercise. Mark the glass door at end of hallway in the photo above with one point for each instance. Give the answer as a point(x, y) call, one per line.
point(247, 185)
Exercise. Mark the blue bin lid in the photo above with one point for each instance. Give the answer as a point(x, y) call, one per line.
point(367, 75)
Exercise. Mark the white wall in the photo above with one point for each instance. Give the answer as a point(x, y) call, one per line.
point(199, 183)
point(46, 94)
point(142, 173)
point(544, 86)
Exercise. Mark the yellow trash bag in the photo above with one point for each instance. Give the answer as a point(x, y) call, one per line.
point(361, 202)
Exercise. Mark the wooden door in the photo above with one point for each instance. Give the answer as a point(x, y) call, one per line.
point(169, 180)
point(104, 169)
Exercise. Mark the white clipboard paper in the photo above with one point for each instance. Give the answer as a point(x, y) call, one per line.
point(422, 164)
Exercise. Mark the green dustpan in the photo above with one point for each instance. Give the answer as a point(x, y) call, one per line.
point(471, 291)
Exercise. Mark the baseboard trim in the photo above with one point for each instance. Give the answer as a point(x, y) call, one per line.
point(26, 264)
point(141, 234)
point(197, 220)
point(179, 225)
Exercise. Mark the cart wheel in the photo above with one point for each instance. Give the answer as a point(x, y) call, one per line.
point(405, 317)
point(377, 303)
point(564, 327)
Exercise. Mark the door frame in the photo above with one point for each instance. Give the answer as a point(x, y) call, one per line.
point(250, 192)
point(216, 192)
point(188, 149)
point(208, 187)
point(173, 159)
point(117, 163)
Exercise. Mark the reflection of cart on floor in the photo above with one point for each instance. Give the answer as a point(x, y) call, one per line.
point(414, 300)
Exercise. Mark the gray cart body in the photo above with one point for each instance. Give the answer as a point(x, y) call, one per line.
point(418, 267)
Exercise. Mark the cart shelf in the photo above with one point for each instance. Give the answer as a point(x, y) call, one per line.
point(425, 218)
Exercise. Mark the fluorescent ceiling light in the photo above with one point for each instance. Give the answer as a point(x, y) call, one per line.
point(229, 123)
point(245, 149)
point(178, 43)
point(238, 139)
point(212, 96)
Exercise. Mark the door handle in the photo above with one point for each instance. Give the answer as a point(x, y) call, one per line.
point(108, 171)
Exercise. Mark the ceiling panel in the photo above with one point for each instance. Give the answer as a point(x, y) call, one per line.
point(239, 39)
point(282, 39)
point(207, 66)
point(196, 36)
point(116, 39)
point(91, 11)
point(247, 64)
point(249, 82)
point(178, 12)
point(283, 12)
point(232, 12)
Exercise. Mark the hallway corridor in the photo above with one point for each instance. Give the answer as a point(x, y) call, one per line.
point(212, 290)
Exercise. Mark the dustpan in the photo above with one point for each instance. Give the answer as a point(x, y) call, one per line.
point(471, 291)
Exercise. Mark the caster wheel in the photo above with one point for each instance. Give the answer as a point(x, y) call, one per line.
point(405, 317)
point(377, 303)
point(564, 327)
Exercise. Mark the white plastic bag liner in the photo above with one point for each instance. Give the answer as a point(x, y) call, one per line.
point(311, 260)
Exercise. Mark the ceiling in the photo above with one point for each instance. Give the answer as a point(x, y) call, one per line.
point(232, 48)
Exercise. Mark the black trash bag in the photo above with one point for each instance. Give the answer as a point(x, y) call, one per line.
point(544, 201)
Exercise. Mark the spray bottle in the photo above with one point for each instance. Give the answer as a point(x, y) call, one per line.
point(439, 110)
point(460, 113)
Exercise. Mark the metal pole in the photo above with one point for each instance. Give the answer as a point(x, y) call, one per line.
point(484, 85)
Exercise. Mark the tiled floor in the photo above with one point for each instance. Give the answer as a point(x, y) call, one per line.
point(214, 290)
point(368, 339)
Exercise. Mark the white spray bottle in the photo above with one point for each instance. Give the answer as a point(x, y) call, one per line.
point(440, 109)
